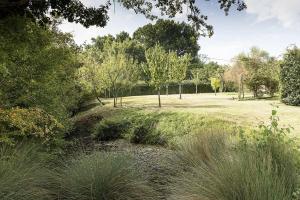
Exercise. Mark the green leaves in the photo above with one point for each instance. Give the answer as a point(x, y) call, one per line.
point(290, 77)
point(158, 67)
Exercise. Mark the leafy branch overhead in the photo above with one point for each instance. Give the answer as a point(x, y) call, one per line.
point(76, 11)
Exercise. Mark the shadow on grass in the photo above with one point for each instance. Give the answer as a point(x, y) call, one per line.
point(172, 105)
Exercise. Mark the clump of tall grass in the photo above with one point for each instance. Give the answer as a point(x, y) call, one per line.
point(264, 167)
point(22, 175)
point(102, 176)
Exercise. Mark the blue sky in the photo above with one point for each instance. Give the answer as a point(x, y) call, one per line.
point(269, 24)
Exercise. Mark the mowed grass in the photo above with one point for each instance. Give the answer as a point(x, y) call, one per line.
point(245, 113)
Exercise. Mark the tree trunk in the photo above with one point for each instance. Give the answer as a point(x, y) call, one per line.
point(196, 88)
point(115, 105)
point(215, 92)
point(158, 93)
point(180, 90)
point(99, 100)
point(115, 97)
point(167, 89)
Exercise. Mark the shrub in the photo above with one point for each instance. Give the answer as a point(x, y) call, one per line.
point(19, 123)
point(22, 176)
point(110, 129)
point(290, 77)
point(264, 166)
point(84, 126)
point(143, 131)
point(102, 176)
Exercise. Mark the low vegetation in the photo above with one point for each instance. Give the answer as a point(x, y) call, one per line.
point(102, 176)
point(155, 127)
point(260, 166)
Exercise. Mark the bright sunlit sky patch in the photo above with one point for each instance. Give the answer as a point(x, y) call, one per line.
point(269, 24)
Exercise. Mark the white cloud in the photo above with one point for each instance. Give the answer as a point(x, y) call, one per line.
point(287, 12)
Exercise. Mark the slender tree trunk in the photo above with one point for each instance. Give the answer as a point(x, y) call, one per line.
point(115, 96)
point(196, 88)
point(121, 99)
point(180, 90)
point(215, 92)
point(98, 98)
point(167, 89)
point(158, 93)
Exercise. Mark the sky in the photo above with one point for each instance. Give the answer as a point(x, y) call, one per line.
point(272, 25)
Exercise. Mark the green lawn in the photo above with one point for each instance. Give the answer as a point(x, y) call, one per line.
point(223, 106)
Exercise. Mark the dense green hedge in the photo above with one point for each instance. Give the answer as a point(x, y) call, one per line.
point(290, 77)
point(187, 88)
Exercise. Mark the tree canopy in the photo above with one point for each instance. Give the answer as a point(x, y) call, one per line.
point(76, 11)
point(171, 35)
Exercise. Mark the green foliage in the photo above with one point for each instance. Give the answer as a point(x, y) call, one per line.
point(18, 124)
point(144, 130)
point(158, 128)
point(102, 176)
point(39, 68)
point(215, 84)
point(172, 36)
point(84, 126)
point(290, 77)
point(157, 66)
point(22, 173)
point(110, 129)
point(262, 72)
point(178, 66)
point(264, 166)
point(76, 11)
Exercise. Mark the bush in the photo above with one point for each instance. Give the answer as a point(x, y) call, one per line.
point(143, 131)
point(19, 123)
point(290, 77)
point(22, 176)
point(84, 126)
point(110, 129)
point(264, 166)
point(102, 176)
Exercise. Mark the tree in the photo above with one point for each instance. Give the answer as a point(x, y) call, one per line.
point(290, 77)
point(262, 72)
point(76, 11)
point(215, 84)
point(157, 68)
point(122, 36)
point(172, 36)
point(177, 68)
point(90, 75)
point(130, 77)
point(220, 74)
point(196, 78)
point(39, 68)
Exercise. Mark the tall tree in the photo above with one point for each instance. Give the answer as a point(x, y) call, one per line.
point(262, 72)
point(90, 75)
point(157, 68)
point(290, 77)
point(39, 67)
point(178, 68)
point(172, 36)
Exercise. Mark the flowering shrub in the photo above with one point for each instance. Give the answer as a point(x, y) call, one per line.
point(33, 123)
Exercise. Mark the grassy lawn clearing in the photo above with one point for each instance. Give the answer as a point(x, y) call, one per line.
point(244, 113)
